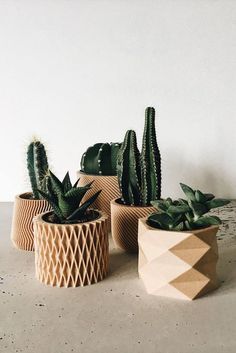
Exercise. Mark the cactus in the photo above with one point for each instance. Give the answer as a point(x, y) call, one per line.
point(37, 165)
point(150, 160)
point(129, 171)
point(183, 215)
point(139, 175)
point(65, 200)
point(100, 159)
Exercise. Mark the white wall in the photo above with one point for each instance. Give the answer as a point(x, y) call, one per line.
point(78, 72)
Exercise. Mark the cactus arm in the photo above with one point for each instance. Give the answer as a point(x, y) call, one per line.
point(128, 170)
point(31, 170)
point(150, 160)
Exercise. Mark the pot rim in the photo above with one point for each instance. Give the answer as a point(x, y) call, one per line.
point(193, 231)
point(97, 175)
point(39, 218)
point(20, 197)
point(114, 202)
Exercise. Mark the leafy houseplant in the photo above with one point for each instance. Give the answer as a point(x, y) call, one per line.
point(28, 205)
point(65, 201)
point(181, 215)
point(178, 249)
point(71, 242)
point(98, 164)
point(139, 178)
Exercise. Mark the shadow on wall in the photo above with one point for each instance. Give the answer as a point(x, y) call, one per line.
point(207, 178)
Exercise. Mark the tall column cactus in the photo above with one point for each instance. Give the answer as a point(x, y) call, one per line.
point(37, 165)
point(128, 170)
point(139, 175)
point(100, 159)
point(150, 160)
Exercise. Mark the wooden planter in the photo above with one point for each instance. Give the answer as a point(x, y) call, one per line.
point(25, 209)
point(71, 255)
point(178, 264)
point(109, 187)
point(124, 224)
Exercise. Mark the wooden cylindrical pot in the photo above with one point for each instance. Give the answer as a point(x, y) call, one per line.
point(71, 255)
point(109, 187)
point(25, 209)
point(124, 224)
point(178, 264)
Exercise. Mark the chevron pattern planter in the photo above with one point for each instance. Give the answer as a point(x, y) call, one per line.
point(109, 187)
point(71, 255)
point(124, 225)
point(178, 264)
point(25, 209)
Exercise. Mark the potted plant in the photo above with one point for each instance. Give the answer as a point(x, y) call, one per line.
point(139, 178)
point(29, 204)
point(71, 242)
point(178, 249)
point(98, 164)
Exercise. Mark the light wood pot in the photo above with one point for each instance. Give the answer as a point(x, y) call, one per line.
point(178, 264)
point(71, 255)
point(25, 209)
point(109, 187)
point(124, 224)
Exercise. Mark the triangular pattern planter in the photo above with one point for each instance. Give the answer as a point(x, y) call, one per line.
point(178, 264)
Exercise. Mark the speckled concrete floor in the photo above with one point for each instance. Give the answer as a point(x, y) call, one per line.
point(115, 315)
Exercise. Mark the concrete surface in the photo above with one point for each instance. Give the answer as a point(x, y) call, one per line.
point(115, 315)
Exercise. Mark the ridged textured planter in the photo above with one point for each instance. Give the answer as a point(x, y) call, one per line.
point(25, 209)
point(71, 255)
point(124, 224)
point(178, 264)
point(109, 187)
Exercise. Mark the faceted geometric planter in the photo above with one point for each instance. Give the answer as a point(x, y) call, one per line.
point(25, 209)
point(178, 264)
point(110, 190)
point(71, 255)
point(124, 224)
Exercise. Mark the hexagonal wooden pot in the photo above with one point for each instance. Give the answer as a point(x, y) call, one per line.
point(124, 224)
point(178, 264)
point(71, 255)
point(110, 190)
point(25, 209)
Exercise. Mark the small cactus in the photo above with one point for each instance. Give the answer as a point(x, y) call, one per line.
point(100, 159)
point(37, 165)
point(139, 175)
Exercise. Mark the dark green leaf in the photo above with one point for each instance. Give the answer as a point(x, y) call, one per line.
point(206, 221)
point(188, 192)
point(198, 208)
point(200, 197)
point(178, 209)
point(82, 209)
point(66, 183)
point(55, 207)
point(217, 203)
point(56, 184)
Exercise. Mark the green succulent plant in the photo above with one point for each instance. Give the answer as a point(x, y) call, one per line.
point(189, 214)
point(139, 174)
point(37, 165)
point(100, 159)
point(66, 198)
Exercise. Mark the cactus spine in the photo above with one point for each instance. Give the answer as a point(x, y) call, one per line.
point(100, 159)
point(37, 165)
point(139, 175)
